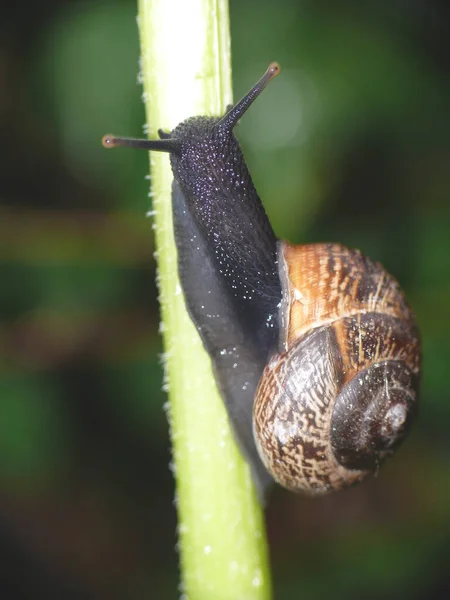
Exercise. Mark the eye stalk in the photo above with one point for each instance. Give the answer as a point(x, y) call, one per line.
point(229, 120)
point(165, 144)
point(168, 144)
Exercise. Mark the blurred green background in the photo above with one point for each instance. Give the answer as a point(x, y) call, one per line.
point(350, 144)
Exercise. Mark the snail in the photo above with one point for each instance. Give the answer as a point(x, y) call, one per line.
point(314, 349)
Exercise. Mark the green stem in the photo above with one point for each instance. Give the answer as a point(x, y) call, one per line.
point(185, 47)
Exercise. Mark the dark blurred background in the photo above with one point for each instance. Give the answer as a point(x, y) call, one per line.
point(350, 144)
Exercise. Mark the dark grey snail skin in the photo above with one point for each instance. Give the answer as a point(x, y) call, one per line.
point(226, 325)
point(314, 350)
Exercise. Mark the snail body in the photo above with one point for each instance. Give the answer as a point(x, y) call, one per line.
point(314, 349)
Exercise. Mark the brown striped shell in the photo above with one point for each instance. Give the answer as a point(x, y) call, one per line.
point(340, 395)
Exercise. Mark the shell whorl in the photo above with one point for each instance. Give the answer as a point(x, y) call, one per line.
point(340, 395)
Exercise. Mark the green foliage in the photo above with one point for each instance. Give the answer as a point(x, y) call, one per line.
point(31, 443)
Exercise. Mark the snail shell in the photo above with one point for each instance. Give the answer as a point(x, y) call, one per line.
point(340, 395)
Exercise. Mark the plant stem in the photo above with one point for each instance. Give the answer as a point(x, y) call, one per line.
point(186, 71)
